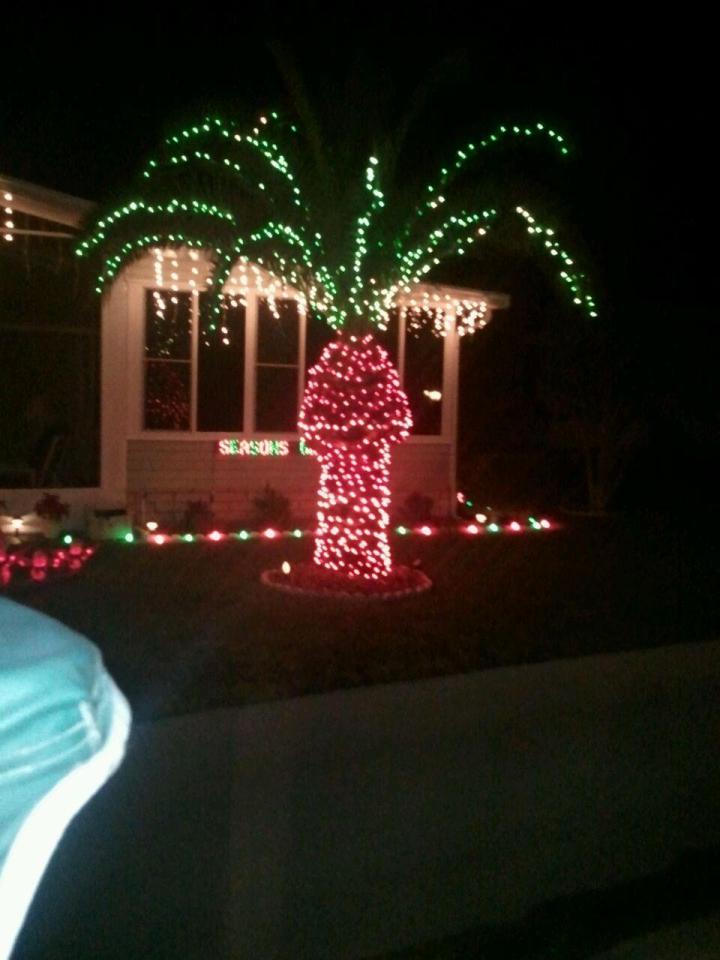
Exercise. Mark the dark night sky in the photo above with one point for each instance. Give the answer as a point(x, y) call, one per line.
point(87, 102)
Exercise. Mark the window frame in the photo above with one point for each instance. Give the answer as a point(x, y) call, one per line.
point(136, 385)
point(249, 386)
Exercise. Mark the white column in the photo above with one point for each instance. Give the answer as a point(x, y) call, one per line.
point(251, 330)
point(114, 392)
point(451, 376)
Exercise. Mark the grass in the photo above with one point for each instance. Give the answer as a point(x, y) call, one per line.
point(187, 627)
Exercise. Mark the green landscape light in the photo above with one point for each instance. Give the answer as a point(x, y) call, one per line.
point(67, 539)
point(401, 530)
point(243, 535)
point(188, 537)
point(493, 528)
point(297, 533)
point(129, 538)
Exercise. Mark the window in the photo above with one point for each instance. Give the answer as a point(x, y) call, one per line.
point(168, 360)
point(195, 379)
point(221, 369)
point(319, 334)
point(389, 338)
point(170, 317)
point(423, 379)
point(278, 369)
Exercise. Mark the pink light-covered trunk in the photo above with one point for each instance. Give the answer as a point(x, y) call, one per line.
point(352, 411)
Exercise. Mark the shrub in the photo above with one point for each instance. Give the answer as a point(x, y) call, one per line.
point(50, 507)
point(417, 508)
point(271, 508)
point(198, 518)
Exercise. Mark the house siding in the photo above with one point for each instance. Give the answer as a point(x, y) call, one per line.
point(163, 475)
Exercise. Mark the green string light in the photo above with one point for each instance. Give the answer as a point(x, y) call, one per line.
point(358, 274)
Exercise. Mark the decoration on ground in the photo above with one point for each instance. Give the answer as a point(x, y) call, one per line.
point(309, 579)
point(37, 563)
point(495, 523)
point(275, 203)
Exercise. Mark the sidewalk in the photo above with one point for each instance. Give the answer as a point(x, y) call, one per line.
point(697, 940)
point(363, 821)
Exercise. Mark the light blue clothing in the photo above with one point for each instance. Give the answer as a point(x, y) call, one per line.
point(63, 729)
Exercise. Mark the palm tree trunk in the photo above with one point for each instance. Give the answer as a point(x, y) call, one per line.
point(353, 517)
point(352, 411)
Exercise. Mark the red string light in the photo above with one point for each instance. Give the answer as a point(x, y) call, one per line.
point(353, 409)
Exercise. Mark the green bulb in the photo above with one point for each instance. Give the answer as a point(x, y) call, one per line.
point(67, 539)
point(129, 538)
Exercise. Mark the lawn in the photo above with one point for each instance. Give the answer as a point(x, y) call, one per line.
point(188, 626)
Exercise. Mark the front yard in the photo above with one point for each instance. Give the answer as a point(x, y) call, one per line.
point(188, 626)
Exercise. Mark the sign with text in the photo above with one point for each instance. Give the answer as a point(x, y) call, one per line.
point(235, 447)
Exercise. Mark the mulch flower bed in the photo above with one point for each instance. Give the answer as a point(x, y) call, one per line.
point(311, 580)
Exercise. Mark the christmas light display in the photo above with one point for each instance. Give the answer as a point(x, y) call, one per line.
point(253, 448)
point(39, 563)
point(8, 223)
point(261, 213)
point(352, 411)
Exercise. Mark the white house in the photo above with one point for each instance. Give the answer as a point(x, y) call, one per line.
point(189, 415)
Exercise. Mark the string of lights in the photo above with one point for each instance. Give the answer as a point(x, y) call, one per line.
point(8, 223)
point(352, 264)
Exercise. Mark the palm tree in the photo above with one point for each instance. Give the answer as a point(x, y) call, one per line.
point(351, 236)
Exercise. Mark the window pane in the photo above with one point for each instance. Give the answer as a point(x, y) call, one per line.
point(168, 321)
point(276, 408)
point(389, 338)
point(167, 395)
point(319, 334)
point(423, 379)
point(221, 367)
point(278, 336)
